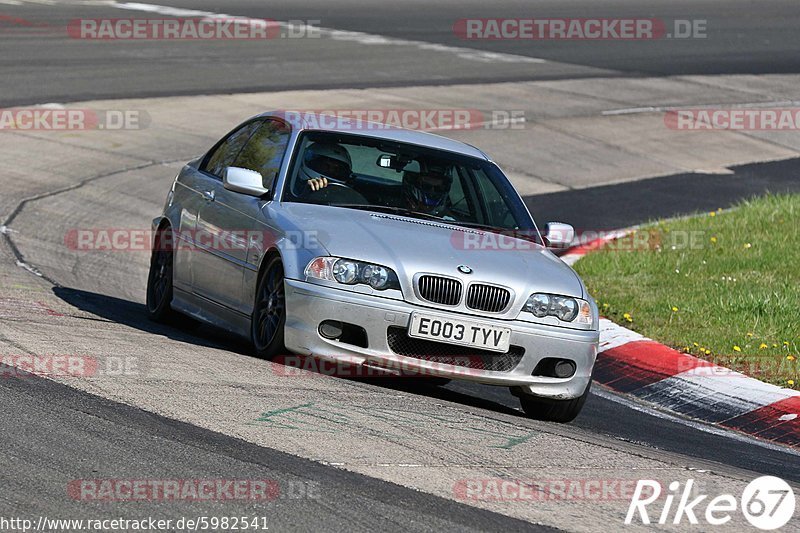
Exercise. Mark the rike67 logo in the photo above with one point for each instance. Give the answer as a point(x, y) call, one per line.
point(767, 503)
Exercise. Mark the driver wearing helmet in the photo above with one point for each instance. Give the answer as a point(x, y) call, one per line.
point(326, 161)
point(428, 191)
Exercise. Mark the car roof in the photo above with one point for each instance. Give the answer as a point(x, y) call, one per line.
point(313, 121)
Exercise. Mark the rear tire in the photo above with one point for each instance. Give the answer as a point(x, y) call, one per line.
point(269, 313)
point(562, 411)
point(159, 280)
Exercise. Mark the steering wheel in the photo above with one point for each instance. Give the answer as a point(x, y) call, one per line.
point(336, 193)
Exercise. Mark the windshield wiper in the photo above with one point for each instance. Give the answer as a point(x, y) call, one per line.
point(477, 225)
point(394, 210)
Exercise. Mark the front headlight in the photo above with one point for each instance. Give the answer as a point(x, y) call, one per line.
point(350, 272)
point(345, 271)
point(563, 308)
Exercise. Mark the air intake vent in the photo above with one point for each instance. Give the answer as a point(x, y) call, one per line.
point(439, 290)
point(487, 298)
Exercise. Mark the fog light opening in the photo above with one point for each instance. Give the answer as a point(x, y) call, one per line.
point(336, 330)
point(564, 369)
point(552, 367)
point(331, 329)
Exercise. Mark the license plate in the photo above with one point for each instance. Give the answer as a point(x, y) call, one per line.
point(458, 331)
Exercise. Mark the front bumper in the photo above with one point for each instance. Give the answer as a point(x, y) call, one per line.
point(308, 304)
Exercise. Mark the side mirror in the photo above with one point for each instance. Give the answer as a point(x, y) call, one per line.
point(558, 235)
point(244, 181)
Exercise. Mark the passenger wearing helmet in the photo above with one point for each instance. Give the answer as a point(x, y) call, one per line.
point(428, 191)
point(326, 161)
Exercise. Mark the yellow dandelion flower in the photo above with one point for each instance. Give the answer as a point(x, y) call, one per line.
point(605, 306)
point(674, 309)
point(708, 352)
point(713, 239)
point(747, 245)
point(749, 334)
point(712, 214)
point(695, 344)
point(737, 349)
point(786, 343)
point(774, 345)
point(790, 357)
point(762, 346)
point(790, 382)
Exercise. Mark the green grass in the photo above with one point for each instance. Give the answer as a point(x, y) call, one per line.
point(724, 286)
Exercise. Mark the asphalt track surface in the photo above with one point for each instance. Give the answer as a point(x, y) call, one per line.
point(53, 433)
point(66, 434)
point(45, 65)
point(627, 204)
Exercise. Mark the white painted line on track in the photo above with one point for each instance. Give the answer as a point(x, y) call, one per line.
point(367, 39)
point(32, 269)
point(663, 109)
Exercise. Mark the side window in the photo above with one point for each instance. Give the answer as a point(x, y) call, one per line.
point(225, 154)
point(265, 150)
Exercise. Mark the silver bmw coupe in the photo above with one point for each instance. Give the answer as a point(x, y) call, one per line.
point(384, 247)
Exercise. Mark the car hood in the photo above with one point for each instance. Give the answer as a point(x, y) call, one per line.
point(410, 245)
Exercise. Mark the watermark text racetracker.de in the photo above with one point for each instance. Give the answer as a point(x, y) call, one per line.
point(744, 119)
point(191, 29)
point(307, 366)
point(67, 366)
point(411, 119)
point(143, 240)
point(731, 366)
point(587, 239)
point(579, 29)
point(64, 119)
point(189, 490)
point(543, 490)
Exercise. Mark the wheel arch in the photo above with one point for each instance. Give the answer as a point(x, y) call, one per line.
point(266, 257)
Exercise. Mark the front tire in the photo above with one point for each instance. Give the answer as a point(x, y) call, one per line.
point(269, 313)
point(159, 280)
point(551, 410)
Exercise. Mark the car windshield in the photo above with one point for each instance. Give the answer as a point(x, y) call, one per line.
point(359, 172)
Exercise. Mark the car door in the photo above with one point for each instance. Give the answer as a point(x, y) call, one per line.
point(186, 194)
point(205, 236)
point(235, 221)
